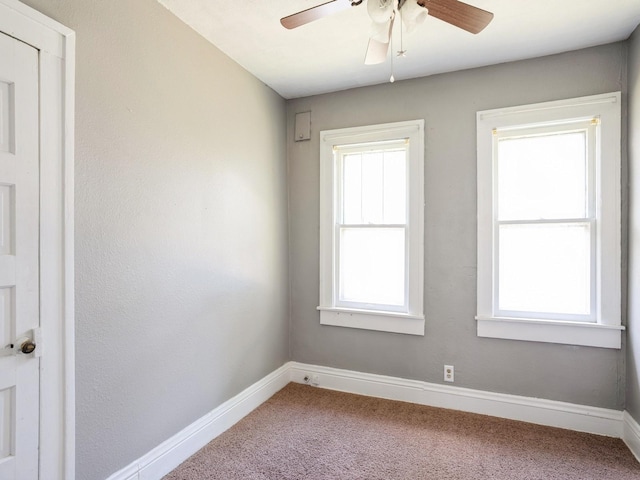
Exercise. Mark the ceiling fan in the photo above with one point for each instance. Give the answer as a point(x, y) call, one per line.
point(383, 13)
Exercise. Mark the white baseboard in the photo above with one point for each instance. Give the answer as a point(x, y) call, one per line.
point(581, 418)
point(631, 435)
point(171, 453)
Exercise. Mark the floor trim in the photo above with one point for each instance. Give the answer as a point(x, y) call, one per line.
point(171, 453)
point(631, 434)
point(601, 421)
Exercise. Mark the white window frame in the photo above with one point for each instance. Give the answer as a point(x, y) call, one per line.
point(410, 319)
point(603, 328)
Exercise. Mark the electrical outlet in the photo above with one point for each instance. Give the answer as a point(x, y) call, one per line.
point(448, 373)
point(315, 380)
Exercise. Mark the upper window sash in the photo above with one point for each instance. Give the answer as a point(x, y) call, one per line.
point(340, 153)
point(589, 127)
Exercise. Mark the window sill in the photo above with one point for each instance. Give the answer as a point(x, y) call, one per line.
point(372, 320)
point(549, 331)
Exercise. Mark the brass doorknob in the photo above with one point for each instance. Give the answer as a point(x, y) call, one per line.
point(27, 347)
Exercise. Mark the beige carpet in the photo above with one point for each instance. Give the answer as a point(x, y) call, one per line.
point(304, 432)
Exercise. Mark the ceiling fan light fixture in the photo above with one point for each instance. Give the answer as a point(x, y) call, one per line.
point(454, 12)
point(413, 14)
point(382, 13)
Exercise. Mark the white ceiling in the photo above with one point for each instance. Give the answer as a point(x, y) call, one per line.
point(328, 54)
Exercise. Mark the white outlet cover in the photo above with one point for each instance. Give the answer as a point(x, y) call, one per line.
point(448, 373)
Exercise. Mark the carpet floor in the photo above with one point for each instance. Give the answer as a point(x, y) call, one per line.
point(307, 433)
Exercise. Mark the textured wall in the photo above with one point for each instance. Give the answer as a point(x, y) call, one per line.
point(633, 335)
point(448, 103)
point(181, 230)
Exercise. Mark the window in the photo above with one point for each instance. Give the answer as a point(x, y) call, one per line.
point(371, 227)
point(549, 232)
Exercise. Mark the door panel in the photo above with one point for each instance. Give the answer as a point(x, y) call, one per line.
point(19, 278)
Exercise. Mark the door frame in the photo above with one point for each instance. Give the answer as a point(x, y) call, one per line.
point(56, 46)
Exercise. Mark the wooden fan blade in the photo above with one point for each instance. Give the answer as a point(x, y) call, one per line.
point(314, 13)
point(459, 14)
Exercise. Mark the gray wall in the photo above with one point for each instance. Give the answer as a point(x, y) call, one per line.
point(633, 334)
point(448, 103)
point(181, 228)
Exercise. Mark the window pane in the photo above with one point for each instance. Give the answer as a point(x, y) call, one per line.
point(545, 268)
point(542, 177)
point(395, 187)
point(374, 188)
point(352, 189)
point(372, 265)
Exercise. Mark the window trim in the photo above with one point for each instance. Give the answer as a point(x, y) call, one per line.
point(606, 331)
point(412, 321)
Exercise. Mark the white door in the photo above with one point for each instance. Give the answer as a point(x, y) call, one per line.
point(19, 278)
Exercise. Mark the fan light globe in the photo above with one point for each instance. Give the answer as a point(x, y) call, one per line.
point(381, 11)
point(413, 14)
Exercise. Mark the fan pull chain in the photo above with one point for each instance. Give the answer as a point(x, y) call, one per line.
point(402, 52)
